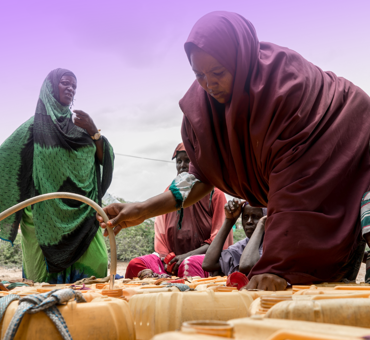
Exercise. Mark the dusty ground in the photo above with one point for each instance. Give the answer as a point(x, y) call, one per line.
point(121, 268)
point(7, 274)
point(16, 273)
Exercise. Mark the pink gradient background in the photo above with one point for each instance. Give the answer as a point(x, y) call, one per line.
point(132, 70)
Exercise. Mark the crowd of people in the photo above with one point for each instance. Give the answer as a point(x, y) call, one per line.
point(289, 141)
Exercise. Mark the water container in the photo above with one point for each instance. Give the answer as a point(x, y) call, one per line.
point(184, 336)
point(208, 280)
point(90, 295)
point(349, 311)
point(264, 303)
point(103, 318)
point(255, 307)
point(330, 285)
point(217, 328)
point(342, 289)
point(258, 328)
point(357, 288)
point(162, 312)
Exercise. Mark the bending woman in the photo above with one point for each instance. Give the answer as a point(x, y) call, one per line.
point(61, 239)
point(262, 123)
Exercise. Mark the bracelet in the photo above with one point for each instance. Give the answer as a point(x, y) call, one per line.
point(96, 136)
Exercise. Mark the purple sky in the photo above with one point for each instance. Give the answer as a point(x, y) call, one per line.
point(132, 70)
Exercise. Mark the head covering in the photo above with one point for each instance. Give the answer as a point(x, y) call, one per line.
point(292, 136)
point(179, 148)
point(48, 154)
point(264, 210)
point(55, 76)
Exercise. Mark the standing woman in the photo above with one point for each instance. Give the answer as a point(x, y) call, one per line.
point(61, 240)
point(264, 124)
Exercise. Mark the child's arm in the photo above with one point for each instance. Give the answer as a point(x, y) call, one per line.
point(211, 260)
point(251, 253)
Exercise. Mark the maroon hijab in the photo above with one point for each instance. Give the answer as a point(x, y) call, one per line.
point(293, 137)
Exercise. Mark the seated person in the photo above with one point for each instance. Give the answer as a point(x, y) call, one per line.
point(242, 255)
point(186, 232)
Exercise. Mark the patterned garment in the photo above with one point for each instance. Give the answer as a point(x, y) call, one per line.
point(365, 213)
point(192, 266)
point(154, 263)
point(92, 263)
point(365, 225)
point(48, 154)
point(181, 187)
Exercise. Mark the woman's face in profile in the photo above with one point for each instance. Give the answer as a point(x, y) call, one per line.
point(67, 90)
point(215, 79)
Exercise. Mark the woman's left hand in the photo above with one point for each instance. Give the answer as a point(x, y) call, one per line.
point(178, 259)
point(267, 282)
point(84, 121)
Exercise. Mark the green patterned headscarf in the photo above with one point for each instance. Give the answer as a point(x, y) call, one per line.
point(48, 153)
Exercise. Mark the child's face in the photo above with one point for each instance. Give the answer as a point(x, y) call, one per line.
point(250, 218)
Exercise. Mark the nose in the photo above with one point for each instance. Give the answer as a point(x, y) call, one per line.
point(211, 83)
point(183, 165)
point(250, 221)
point(70, 89)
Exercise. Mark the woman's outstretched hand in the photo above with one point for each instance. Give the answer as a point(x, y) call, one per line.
point(267, 282)
point(124, 215)
point(121, 215)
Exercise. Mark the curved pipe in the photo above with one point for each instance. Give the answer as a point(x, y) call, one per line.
point(91, 203)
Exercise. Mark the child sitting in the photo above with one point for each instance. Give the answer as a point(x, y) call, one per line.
point(239, 256)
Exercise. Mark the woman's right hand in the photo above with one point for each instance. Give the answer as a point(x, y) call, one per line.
point(121, 215)
point(233, 208)
point(124, 215)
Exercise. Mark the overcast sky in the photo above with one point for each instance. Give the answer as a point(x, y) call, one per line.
point(129, 60)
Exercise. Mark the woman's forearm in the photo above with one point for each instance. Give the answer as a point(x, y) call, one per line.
point(211, 260)
point(166, 203)
point(99, 150)
point(199, 251)
point(125, 215)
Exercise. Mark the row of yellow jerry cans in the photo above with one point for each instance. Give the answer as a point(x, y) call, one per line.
point(111, 319)
point(274, 329)
point(149, 314)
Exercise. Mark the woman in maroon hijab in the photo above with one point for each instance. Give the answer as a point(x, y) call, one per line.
point(264, 124)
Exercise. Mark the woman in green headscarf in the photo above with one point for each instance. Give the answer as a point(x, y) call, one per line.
point(61, 239)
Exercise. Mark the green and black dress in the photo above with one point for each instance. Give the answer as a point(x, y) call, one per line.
point(61, 238)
